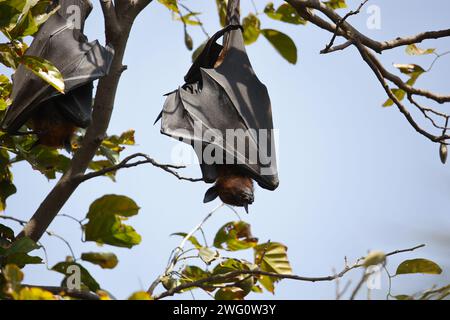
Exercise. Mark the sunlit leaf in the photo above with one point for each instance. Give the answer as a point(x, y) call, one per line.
point(194, 273)
point(414, 50)
point(105, 225)
point(35, 294)
point(285, 13)
point(140, 295)
point(45, 70)
point(7, 187)
point(191, 239)
point(106, 260)
point(86, 278)
point(272, 257)
point(399, 94)
point(282, 43)
point(244, 282)
point(222, 11)
point(252, 28)
point(335, 4)
point(418, 266)
point(229, 293)
point(170, 4)
point(235, 236)
point(187, 19)
point(208, 255)
point(14, 277)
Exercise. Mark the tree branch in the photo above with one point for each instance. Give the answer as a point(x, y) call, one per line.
point(125, 163)
point(102, 110)
point(231, 275)
point(340, 27)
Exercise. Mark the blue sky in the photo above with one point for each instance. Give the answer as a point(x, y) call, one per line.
point(353, 176)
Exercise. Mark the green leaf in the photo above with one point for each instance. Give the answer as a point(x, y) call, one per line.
point(46, 160)
point(86, 277)
point(418, 266)
point(43, 10)
point(22, 245)
point(399, 93)
point(8, 56)
point(106, 260)
point(106, 215)
point(5, 87)
point(14, 277)
point(25, 27)
point(10, 11)
point(17, 253)
point(374, 258)
point(244, 282)
point(7, 187)
point(208, 255)
point(189, 43)
point(6, 236)
point(335, 4)
point(403, 297)
point(409, 69)
point(272, 257)
point(252, 28)
point(170, 4)
point(235, 236)
point(285, 13)
point(102, 164)
point(35, 294)
point(21, 259)
point(282, 43)
point(230, 293)
point(112, 146)
point(222, 11)
point(140, 295)
point(45, 70)
point(194, 273)
point(414, 50)
point(192, 239)
point(186, 19)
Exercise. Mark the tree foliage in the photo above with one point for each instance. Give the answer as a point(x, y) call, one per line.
point(194, 264)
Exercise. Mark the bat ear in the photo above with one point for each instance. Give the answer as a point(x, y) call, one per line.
point(210, 195)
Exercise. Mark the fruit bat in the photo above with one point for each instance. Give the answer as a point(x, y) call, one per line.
point(222, 92)
point(60, 40)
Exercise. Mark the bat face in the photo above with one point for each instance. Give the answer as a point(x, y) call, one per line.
point(222, 93)
point(62, 42)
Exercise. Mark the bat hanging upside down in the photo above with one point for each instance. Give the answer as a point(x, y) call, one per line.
point(52, 128)
point(51, 115)
point(221, 91)
point(232, 186)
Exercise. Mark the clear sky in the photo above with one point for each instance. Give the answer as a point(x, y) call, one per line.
point(353, 176)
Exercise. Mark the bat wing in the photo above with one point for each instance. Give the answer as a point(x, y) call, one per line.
point(80, 63)
point(227, 97)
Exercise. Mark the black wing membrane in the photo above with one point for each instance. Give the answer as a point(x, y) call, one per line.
point(61, 41)
point(221, 98)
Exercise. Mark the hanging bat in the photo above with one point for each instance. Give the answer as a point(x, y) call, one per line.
point(53, 116)
point(222, 92)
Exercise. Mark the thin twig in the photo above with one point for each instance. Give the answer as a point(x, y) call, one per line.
point(170, 168)
point(231, 275)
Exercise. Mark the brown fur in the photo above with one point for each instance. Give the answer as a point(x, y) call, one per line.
point(234, 187)
point(51, 128)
